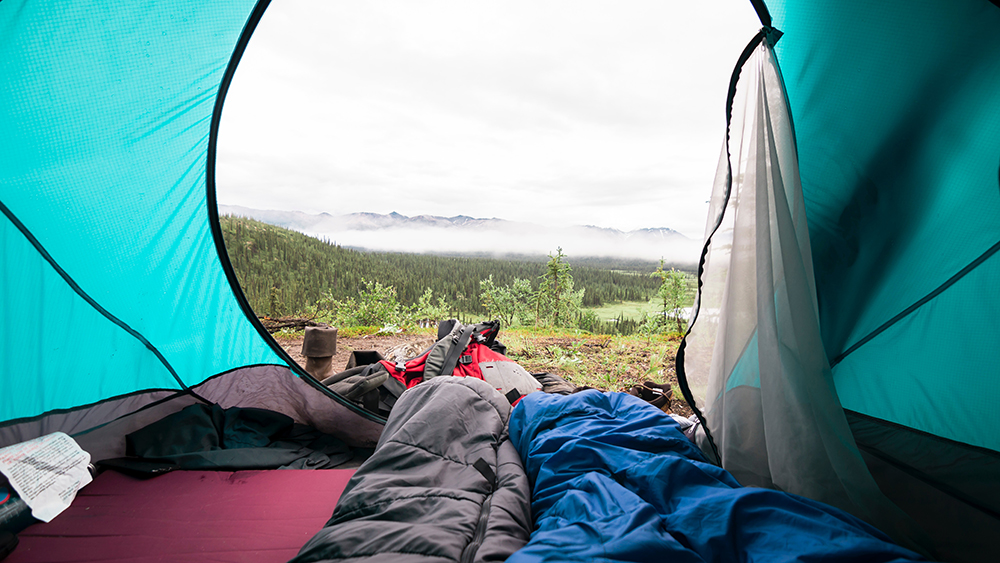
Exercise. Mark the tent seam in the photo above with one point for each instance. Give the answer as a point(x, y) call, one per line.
point(216, 228)
point(923, 301)
point(37, 417)
point(979, 450)
point(679, 359)
point(86, 297)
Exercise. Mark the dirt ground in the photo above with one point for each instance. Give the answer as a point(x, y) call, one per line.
point(378, 342)
point(606, 363)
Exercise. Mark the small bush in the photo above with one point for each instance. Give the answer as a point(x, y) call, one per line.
point(589, 321)
point(354, 331)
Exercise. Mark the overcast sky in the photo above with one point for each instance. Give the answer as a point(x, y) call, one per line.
point(577, 112)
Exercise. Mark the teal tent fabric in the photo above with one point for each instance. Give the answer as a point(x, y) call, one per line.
point(112, 284)
point(870, 382)
point(896, 108)
point(108, 256)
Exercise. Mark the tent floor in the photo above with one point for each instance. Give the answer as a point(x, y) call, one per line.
point(242, 516)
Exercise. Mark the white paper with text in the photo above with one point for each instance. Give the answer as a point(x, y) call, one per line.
point(46, 472)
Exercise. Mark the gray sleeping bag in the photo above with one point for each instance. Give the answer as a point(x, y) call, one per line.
point(444, 484)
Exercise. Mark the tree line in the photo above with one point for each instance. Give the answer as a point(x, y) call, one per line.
point(283, 272)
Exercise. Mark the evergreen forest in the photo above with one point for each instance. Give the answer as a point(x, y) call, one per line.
point(283, 272)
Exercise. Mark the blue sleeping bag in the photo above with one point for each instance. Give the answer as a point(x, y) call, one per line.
point(613, 479)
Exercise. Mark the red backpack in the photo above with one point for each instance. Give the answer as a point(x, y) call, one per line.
point(461, 350)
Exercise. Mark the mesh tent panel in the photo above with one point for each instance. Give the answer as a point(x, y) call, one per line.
point(754, 358)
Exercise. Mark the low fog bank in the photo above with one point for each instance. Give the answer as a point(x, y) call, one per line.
point(394, 232)
point(680, 251)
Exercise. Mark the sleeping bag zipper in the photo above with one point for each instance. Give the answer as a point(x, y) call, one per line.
point(469, 553)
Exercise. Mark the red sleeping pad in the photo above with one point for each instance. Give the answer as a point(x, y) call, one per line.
point(184, 516)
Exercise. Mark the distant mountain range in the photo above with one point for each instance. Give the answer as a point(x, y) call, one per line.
point(470, 235)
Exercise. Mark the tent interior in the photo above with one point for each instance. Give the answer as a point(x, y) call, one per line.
point(843, 346)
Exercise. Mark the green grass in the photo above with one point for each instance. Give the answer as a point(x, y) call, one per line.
point(612, 363)
point(631, 309)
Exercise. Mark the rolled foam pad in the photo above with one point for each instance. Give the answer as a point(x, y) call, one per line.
point(319, 342)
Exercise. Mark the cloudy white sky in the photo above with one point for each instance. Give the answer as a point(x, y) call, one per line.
point(599, 112)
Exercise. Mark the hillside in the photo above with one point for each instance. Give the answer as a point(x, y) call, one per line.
point(300, 269)
point(497, 238)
